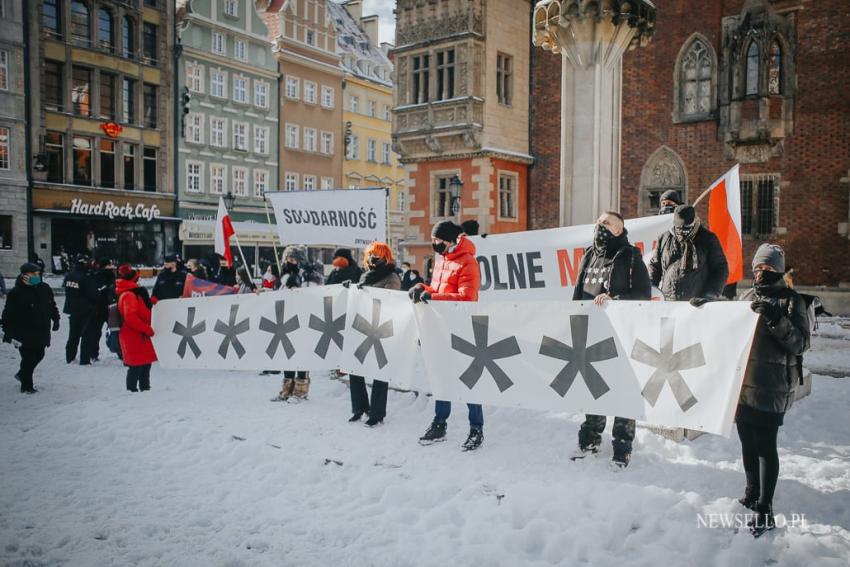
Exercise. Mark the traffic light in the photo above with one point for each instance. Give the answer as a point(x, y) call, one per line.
point(186, 98)
point(347, 138)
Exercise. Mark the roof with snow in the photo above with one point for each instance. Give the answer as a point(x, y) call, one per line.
point(360, 56)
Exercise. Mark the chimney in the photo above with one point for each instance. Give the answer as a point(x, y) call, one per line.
point(355, 8)
point(370, 26)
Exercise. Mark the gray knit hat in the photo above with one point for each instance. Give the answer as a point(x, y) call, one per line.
point(772, 255)
point(297, 252)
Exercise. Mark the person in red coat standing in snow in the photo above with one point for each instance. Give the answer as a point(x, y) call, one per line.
point(456, 277)
point(134, 305)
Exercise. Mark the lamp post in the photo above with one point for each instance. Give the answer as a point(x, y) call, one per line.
point(229, 199)
point(591, 37)
point(455, 188)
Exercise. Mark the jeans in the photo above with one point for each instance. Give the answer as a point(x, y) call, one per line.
point(443, 409)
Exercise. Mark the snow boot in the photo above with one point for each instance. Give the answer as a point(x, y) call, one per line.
point(763, 521)
point(583, 451)
point(286, 390)
point(750, 498)
point(620, 460)
point(436, 432)
point(373, 421)
point(302, 388)
point(356, 417)
point(474, 440)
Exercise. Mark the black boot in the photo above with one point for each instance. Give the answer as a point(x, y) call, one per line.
point(373, 421)
point(622, 453)
point(474, 440)
point(436, 432)
point(750, 498)
point(763, 521)
point(355, 417)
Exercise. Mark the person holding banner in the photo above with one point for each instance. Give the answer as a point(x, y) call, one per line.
point(380, 272)
point(611, 269)
point(774, 369)
point(456, 277)
point(688, 263)
point(345, 269)
point(297, 272)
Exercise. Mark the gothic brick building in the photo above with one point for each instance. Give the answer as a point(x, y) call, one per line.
point(762, 83)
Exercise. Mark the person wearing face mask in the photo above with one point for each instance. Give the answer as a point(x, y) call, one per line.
point(774, 370)
point(169, 282)
point(668, 202)
point(344, 268)
point(688, 263)
point(26, 321)
point(134, 305)
point(380, 272)
point(456, 277)
point(610, 269)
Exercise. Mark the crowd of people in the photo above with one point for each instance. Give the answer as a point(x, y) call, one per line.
point(688, 264)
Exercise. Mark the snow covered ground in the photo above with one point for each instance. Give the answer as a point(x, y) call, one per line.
point(204, 470)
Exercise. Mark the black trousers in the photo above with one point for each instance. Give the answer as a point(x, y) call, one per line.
point(761, 460)
point(360, 398)
point(79, 336)
point(30, 357)
point(294, 373)
point(593, 426)
point(93, 332)
point(139, 377)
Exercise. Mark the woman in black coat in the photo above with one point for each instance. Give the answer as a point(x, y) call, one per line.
point(773, 371)
point(27, 316)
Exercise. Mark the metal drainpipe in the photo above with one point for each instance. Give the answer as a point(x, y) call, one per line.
point(28, 157)
point(178, 50)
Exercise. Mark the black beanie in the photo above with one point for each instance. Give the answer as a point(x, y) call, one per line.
point(684, 215)
point(343, 253)
point(470, 227)
point(446, 230)
point(671, 195)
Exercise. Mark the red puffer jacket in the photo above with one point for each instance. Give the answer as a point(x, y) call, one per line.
point(456, 275)
point(136, 332)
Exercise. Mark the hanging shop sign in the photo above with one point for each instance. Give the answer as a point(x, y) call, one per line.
point(112, 129)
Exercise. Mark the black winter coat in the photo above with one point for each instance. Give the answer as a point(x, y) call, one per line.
point(666, 269)
point(104, 281)
point(169, 285)
point(349, 273)
point(628, 278)
point(409, 279)
point(774, 367)
point(80, 293)
point(28, 314)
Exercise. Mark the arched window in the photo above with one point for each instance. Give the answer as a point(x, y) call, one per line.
point(105, 34)
point(128, 38)
point(80, 26)
point(695, 78)
point(774, 74)
point(663, 170)
point(752, 71)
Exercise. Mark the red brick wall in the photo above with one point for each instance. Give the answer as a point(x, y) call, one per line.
point(816, 155)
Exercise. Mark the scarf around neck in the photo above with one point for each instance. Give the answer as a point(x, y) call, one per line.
point(690, 258)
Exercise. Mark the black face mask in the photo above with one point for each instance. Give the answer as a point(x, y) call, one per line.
point(376, 261)
point(666, 209)
point(601, 235)
point(768, 281)
point(439, 247)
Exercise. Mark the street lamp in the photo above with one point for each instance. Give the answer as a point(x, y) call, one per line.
point(455, 187)
point(229, 199)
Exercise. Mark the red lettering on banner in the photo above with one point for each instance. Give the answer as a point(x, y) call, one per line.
point(566, 267)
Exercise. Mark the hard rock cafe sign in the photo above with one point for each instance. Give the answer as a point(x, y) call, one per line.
point(112, 129)
point(113, 210)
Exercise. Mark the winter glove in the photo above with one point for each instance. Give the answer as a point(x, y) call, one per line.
point(415, 293)
point(700, 301)
point(770, 311)
point(56, 325)
point(425, 297)
point(346, 284)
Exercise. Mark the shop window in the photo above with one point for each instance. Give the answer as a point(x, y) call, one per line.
point(507, 196)
point(52, 91)
point(150, 44)
point(128, 114)
point(149, 169)
point(80, 90)
point(107, 95)
point(82, 161)
point(149, 105)
point(54, 150)
point(80, 24)
point(105, 31)
point(129, 167)
point(107, 164)
point(6, 232)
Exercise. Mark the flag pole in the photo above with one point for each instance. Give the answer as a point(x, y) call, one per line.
point(242, 254)
point(704, 193)
point(269, 220)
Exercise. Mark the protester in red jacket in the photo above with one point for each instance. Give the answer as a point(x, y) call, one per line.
point(456, 277)
point(134, 305)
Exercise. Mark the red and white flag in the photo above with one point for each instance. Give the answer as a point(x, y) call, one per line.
point(223, 232)
point(724, 220)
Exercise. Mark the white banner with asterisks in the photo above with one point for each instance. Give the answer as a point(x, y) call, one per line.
point(666, 363)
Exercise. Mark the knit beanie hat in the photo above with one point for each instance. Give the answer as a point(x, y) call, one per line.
point(671, 195)
point(772, 255)
point(126, 272)
point(446, 230)
point(684, 215)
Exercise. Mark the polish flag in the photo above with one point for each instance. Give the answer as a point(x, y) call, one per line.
point(724, 220)
point(223, 232)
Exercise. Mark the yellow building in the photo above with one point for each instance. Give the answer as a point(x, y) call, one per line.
point(366, 114)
